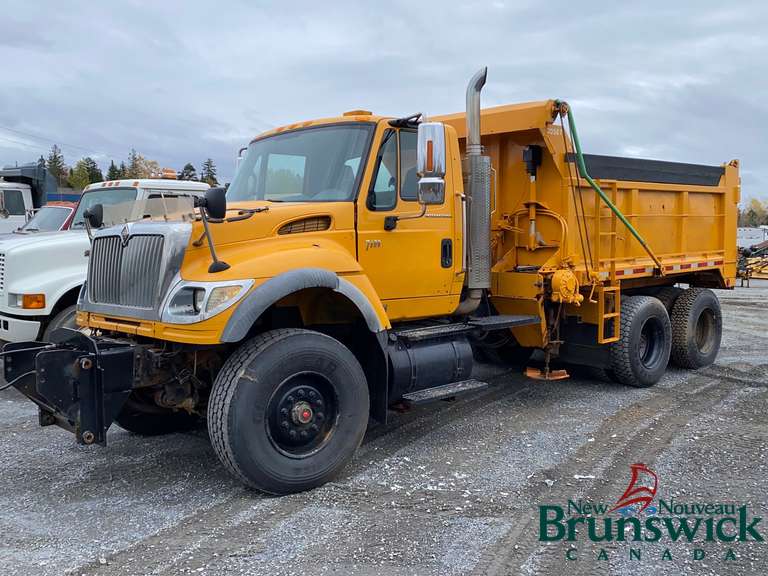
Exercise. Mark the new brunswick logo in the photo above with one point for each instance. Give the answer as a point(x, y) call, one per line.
point(636, 492)
point(635, 518)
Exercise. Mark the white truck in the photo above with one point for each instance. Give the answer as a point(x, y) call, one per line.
point(41, 274)
point(23, 189)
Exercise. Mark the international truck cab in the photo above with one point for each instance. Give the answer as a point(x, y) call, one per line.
point(361, 261)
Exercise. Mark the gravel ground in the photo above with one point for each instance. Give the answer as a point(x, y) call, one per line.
point(451, 488)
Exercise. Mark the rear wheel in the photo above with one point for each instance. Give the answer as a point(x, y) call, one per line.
point(668, 295)
point(288, 410)
point(697, 327)
point(640, 356)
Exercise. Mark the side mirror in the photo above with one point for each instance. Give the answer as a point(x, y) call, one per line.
point(215, 203)
point(95, 216)
point(3, 212)
point(430, 162)
point(240, 157)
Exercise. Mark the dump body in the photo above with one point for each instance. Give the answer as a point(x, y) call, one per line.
point(686, 214)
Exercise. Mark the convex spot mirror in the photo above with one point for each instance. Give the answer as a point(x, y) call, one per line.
point(430, 162)
point(215, 203)
point(94, 215)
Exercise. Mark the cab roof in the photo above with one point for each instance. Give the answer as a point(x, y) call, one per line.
point(150, 183)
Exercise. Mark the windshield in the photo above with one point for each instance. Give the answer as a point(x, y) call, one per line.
point(47, 219)
point(117, 202)
point(320, 164)
point(120, 205)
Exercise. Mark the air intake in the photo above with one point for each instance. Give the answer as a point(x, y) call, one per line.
point(312, 224)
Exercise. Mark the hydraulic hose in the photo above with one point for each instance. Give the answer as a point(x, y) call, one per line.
point(584, 174)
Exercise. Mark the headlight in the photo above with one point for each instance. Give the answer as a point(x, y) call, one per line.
point(190, 302)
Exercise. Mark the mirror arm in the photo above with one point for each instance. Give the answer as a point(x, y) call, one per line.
point(390, 222)
point(88, 229)
point(217, 265)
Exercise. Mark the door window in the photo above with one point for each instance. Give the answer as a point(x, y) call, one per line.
point(409, 181)
point(383, 194)
point(14, 202)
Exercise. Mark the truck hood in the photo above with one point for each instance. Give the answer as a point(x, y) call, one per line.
point(276, 215)
point(47, 239)
point(49, 263)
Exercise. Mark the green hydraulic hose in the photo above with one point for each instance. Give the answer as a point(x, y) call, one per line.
point(583, 172)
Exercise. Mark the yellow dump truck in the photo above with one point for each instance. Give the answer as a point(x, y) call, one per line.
point(360, 261)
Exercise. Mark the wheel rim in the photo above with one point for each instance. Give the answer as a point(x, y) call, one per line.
point(651, 343)
point(705, 328)
point(302, 414)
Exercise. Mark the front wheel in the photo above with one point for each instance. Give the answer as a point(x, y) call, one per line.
point(640, 356)
point(288, 410)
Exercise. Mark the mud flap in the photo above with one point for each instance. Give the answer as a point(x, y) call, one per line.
point(78, 383)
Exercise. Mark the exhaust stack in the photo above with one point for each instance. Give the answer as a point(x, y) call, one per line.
point(477, 186)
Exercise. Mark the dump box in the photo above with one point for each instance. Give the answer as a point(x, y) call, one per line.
point(545, 217)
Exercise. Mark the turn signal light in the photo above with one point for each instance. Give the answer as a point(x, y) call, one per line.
point(33, 301)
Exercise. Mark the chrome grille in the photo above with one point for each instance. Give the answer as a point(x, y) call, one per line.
point(126, 275)
point(2, 272)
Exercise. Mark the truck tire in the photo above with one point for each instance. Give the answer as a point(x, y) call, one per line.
point(145, 419)
point(697, 327)
point(640, 356)
point(288, 410)
point(668, 295)
point(64, 319)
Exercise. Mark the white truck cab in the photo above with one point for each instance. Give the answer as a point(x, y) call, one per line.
point(41, 274)
point(15, 205)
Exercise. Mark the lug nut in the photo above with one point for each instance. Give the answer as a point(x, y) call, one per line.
point(319, 416)
point(312, 394)
point(303, 434)
point(284, 411)
point(284, 424)
point(290, 400)
point(292, 433)
point(300, 393)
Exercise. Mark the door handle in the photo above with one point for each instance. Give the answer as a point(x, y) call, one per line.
point(446, 253)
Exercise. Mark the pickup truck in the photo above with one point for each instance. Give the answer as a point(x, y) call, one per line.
point(41, 274)
point(23, 189)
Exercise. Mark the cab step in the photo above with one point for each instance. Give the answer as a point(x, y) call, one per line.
point(486, 323)
point(444, 391)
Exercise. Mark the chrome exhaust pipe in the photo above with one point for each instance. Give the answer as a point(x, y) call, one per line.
point(477, 188)
point(476, 83)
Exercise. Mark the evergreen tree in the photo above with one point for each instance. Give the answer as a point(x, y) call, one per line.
point(134, 164)
point(122, 171)
point(94, 172)
point(113, 172)
point(41, 161)
point(79, 177)
point(208, 173)
point(55, 164)
point(188, 172)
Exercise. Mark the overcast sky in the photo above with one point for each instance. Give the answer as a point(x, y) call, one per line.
point(181, 81)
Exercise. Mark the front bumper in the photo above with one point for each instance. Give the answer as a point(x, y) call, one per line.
point(18, 330)
point(78, 383)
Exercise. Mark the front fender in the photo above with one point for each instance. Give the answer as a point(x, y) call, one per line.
point(355, 287)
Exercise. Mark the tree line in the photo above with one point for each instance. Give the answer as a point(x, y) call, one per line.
point(86, 171)
point(754, 214)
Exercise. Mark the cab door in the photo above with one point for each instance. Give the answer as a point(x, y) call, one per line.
point(410, 259)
